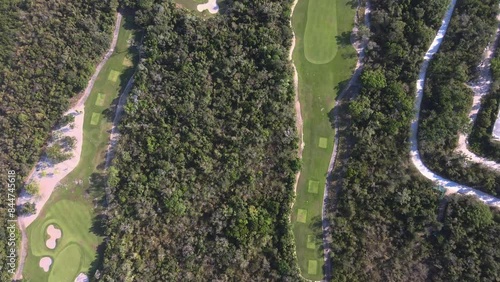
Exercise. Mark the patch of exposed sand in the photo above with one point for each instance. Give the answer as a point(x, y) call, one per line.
point(45, 263)
point(54, 234)
point(211, 6)
point(82, 277)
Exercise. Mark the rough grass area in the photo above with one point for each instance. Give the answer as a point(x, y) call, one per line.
point(71, 207)
point(320, 37)
point(319, 84)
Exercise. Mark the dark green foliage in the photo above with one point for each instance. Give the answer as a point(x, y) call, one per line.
point(385, 212)
point(447, 100)
point(202, 183)
point(384, 209)
point(48, 50)
point(27, 209)
point(466, 248)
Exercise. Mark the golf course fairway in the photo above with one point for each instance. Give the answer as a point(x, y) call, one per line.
point(324, 59)
point(74, 204)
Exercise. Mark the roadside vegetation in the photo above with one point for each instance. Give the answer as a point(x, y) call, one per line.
point(204, 171)
point(47, 54)
point(447, 99)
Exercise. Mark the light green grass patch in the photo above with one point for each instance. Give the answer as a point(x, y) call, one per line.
point(113, 75)
point(313, 186)
point(127, 62)
point(312, 267)
point(302, 215)
point(320, 37)
point(100, 99)
point(323, 142)
point(95, 118)
point(67, 264)
point(311, 242)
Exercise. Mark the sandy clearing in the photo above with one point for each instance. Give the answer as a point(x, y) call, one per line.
point(55, 173)
point(211, 6)
point(450, 186)
point(45, 263)
point(54, 234)
point(82, 277)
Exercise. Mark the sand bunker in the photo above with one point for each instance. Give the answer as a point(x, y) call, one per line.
point(45, 263)
point(54, 234)
point(211, 6)
point(82, 277)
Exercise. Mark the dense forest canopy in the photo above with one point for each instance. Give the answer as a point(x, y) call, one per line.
point(48, 50)
point(384, 221)
point(447, 99)
point(202, 183)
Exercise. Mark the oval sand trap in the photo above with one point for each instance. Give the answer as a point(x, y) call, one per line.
point(45, 263)
point(82, 277)
point(54, 234)
point(211, 6)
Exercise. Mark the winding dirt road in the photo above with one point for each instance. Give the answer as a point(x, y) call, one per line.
point(47, 187)
point(450, 186)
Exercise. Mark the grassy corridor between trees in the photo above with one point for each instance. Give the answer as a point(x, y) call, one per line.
point(72, 206)
point(316, 26)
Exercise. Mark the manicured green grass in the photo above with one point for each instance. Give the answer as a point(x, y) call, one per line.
point(311, 242)
point(302, 215)
point(313, 187)
point(323, 142)
point(318, 87)
point(312, 267)
point(67, 265)
point(100, 99)
point(320, 37)
point(95, 118)
point(71, 207)
point(113, 75)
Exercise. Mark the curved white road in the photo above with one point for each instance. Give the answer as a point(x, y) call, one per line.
point(450, 186)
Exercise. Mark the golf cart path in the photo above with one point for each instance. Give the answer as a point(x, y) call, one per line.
point(481, 87)
point(450, 186)
point(57, 172)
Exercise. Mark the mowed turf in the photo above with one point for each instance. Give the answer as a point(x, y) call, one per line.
point(71, 207)
point(320, 37)
point(318, 87)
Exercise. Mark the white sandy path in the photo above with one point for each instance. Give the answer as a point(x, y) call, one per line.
point(481, 87)
point(59, 171)
point(450, 186)
point(54, 235)
point(45, 263)
point(211, 6)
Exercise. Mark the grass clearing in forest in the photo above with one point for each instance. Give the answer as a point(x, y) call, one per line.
point(100, 99)
point(319, 84)
point(71, 207)
point(320, 36)
point(95, 118)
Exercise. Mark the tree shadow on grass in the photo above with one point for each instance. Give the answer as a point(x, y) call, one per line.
point(344, 39)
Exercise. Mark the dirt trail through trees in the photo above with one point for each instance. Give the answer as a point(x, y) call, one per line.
point(450, 186)
point(481, 87)
point(49, 182)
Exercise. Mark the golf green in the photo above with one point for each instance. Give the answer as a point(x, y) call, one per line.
point(75, 202)
point(320, 37)
point(322, 66)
